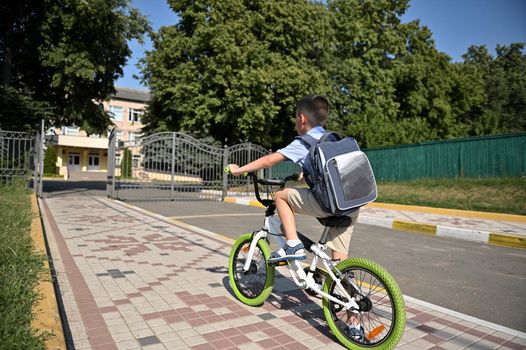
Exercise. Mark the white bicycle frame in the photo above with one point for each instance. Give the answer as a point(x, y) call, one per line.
point(303, 280)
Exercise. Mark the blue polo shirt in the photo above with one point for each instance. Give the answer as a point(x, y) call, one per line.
point(296, 150)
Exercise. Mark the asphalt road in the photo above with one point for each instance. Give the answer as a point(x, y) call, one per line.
point(484, 281)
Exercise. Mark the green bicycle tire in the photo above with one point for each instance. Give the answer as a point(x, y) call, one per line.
point(390, 284)
point(269, 280)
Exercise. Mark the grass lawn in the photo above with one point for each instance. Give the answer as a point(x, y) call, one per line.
point(500, 195)
point(20, 266)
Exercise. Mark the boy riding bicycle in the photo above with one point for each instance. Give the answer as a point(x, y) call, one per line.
point(312, 112)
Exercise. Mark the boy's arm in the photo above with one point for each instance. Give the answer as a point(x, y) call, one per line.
point(260, 163)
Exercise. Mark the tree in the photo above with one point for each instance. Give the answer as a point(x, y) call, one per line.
point(233, 69)
point(127, 164)
point(502, 79)
point(50, 160)
point(59, 56)
point(366, 49)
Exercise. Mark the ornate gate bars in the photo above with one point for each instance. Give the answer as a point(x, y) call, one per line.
point(175, 166)
point(22, 155)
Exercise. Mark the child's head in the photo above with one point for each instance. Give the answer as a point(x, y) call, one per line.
point(314, 108)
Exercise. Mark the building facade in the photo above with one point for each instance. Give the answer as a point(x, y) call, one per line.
point(78, 153)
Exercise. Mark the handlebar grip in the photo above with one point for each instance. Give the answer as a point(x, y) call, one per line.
point(227, 171)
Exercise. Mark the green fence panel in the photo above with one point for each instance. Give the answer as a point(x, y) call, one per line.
point(283, 169)
point(486, 156)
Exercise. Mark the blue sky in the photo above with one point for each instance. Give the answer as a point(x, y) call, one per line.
point(455, 24)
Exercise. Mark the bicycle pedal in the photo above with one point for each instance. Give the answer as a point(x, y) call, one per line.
point(278, 263)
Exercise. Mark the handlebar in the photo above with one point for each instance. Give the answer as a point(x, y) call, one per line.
point(267, 182)
point(270, 182)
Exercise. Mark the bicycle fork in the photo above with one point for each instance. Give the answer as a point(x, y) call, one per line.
point(271, 225)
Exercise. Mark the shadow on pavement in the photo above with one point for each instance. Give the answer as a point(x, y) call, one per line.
point(287, 296)
point(58, 188)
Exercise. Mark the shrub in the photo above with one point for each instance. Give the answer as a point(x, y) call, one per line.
point(50, 159)
point(126, 164)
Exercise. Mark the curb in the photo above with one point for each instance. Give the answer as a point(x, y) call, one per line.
point(488, 237)
point(47, 315)
point(451, 212)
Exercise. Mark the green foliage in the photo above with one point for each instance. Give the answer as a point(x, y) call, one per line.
point(20, 266)
point(50, 160)
point(127, 164)
point(504, 82)
point(57, 57)
point(234, 69)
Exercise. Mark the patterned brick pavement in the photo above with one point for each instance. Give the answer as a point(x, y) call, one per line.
point(129, 280)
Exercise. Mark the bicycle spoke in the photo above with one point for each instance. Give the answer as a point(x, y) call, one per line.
point(376, 321)
point(252, 282)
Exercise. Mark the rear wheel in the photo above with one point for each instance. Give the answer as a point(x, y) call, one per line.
point(380, 322)
point(254, 286)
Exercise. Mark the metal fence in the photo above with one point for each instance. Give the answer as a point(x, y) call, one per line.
point(175, 166)
point(486, 156)
point(21, 155)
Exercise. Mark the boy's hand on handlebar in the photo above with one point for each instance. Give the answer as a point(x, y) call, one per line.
point(233, 169)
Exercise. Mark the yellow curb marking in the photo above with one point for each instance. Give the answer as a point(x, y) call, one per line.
point(47, 316)
point(414, 227)
point(256, 204)
point(507, 240)
point(252, 203)
point(452, 212)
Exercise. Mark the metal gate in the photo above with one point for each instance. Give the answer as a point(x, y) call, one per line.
point(22, 155)
point(175, 166)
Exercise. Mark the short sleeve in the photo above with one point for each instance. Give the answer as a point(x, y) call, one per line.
point(295, 151)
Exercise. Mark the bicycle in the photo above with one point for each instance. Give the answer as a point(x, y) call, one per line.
point(356, 292)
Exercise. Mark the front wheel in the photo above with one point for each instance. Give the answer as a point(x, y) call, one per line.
point(254, 286)
point(380, 322)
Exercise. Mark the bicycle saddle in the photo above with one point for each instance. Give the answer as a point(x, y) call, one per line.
point(336, 221)
point(271, 182)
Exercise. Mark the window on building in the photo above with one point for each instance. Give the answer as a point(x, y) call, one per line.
point(118, 159)
point(136, 160)
point(133, 136)
point(118, 135)
point(134, 115)
point(115, 112)
point(70, 130)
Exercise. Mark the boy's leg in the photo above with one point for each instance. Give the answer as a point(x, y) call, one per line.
point(293, 249)
point(286, 214)
point(339, 239)
point(338, 256)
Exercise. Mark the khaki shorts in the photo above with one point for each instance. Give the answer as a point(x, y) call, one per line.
point(302, 201)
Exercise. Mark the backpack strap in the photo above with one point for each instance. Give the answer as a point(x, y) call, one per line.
point(334, 136)
point(308, 140)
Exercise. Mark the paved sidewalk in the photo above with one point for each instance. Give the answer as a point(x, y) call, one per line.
point(130, 280)
point(493, 228)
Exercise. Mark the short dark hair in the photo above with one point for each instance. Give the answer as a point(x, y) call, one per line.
point(315, 108)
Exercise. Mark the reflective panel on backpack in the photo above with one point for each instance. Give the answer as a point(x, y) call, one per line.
point(342, 179)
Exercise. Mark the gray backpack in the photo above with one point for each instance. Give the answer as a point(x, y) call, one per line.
point(342, 179)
